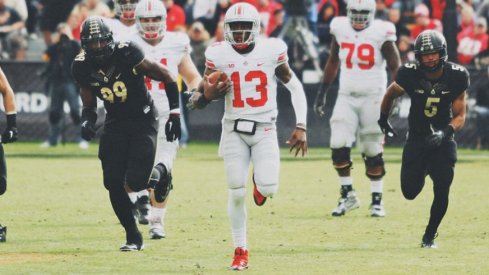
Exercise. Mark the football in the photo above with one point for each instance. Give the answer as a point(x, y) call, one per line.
point(217, 76)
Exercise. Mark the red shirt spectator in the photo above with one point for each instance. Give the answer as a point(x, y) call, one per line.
point(266, 9)
point(175, 20)
point(472, 43)
point(424, 22)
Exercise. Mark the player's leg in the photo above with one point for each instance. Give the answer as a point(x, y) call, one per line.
point(3, 188)
point(370, 139)
point(265, 156)
point(441, 171)
point(413, 169)
point(165, 155)
point(344, 123)
point(236, 154)
point(113, 152)
point(3, 171)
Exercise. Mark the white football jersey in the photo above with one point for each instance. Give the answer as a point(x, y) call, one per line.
point(121, 32)
point(169, 52)
point(363, 68)
point(253, 93)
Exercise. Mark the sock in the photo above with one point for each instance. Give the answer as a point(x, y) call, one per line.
point(133, 196)
point(158, 214)
point(122, 208)
point(143, 193)
point(346, 185)
point(237, 216)
point(376, 187)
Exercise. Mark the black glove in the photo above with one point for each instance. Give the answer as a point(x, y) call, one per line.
point(10, 133)
point(437, 136)
point(87, 130)
point(172, 128)
point(385, 126)
point(320, 102)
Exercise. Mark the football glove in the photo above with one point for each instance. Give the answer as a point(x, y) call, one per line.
point(320, 102)
point(385, 126)
point(437, 136)
point(172, 128)
point(88, 130)
point(10, 133)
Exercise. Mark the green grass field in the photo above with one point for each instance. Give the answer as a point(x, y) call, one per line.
point(60, 221)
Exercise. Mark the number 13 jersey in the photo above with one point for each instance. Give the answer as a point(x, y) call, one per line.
point(253, 94)
point(363, 68)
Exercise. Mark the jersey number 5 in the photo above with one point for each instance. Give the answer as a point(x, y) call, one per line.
point(431, 107)
point(261, 88)
point(365, 54)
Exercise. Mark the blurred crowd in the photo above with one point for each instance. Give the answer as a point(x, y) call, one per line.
point(22, 21)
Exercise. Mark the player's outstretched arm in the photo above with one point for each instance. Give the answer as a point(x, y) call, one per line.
point(392, 58)
point(329, 75)
point(459, 111)
point(89, 113)
point(393, 91)
point(10, 133)
point(298, 139)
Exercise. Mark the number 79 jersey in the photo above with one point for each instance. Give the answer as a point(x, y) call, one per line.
point(253, 93)
point(363, 68)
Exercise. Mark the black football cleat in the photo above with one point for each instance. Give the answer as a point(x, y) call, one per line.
point(428, 241)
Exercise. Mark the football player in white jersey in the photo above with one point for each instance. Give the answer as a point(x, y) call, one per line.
point(124, 29)
point(249, 134)
point(124, 25)
point(171, 49)
point(362, 47)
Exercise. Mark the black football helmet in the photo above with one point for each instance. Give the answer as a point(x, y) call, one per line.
point(96, 39)
point(430, 41)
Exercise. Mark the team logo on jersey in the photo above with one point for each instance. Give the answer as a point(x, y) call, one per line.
point(433, 91)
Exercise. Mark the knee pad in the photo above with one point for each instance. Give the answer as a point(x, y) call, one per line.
point(161, 181)
point(75, 117)
point(54, 117)
point(341, 159)
point(372, 166)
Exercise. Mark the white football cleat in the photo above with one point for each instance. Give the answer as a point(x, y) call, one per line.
point(347, 204)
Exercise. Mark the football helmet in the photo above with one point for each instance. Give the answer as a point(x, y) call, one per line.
point(430, 41)
point(125, 8)
point(361, 13)
point(241, 38)
point(96, 39)
point(155, 27)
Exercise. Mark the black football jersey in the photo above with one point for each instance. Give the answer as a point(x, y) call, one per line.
point(431, 101)
point(122, 90)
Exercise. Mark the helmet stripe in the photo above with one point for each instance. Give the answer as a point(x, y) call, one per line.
point(149, 5)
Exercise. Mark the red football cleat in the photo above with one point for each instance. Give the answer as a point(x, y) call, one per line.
point(240, 261)
point(257, 196)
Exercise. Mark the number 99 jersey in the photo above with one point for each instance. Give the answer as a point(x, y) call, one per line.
point(122, 90)
point(363, 68)
point(253, 92)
